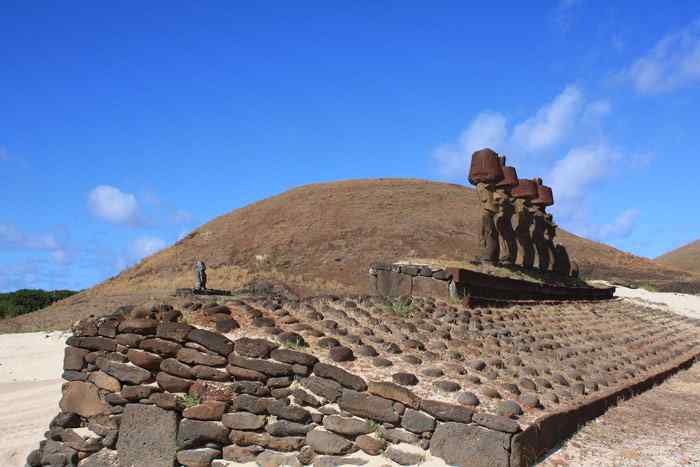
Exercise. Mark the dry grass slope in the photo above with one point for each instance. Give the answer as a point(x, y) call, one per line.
point(321, 238)
point(686, 257)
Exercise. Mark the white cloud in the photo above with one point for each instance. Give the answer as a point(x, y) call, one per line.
point(112, 205)
point(581, 167)
point(145, 246)
point(9, 234)
point(488, 129)
point(672, 63)
point(551, 123)
point(621, 227)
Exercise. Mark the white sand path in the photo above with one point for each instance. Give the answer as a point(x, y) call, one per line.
point(30, 388)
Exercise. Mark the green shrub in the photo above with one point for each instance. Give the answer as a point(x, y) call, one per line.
point(27, 300)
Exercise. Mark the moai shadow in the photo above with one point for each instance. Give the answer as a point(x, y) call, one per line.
point(484, 172)
point(504, 216)
point(525, 191)
point(201, 269)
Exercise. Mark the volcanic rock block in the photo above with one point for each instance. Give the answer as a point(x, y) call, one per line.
point(173, 331)
point(255, 348)
point(243, 421)
point(341, 376)
point(293, 357)
point(294, 413)
point(200, 457)
point(263, 366)
point(405, 454)
point(147, 436)
point(282, 428)
point(206, 411)
point(83, 399)
point(469, 445)
point(325, 442)
point(93, 343)
point(347, 426)
point(195, 357)
point(173, 383)
point(284, 444)
point(211, 340)
point(159, 346)
point(138, 326)
point(195, 433)
point(417, 422)
point(103, 458)
point(147, 360)
point(368, 406)
point(371, 445)
point(74, 358)
point(124, 372)
point(394, 392)
point(104, 381)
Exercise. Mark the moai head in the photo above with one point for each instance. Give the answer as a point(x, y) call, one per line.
point(523, 192)
point(510, 180)
point(545, 197)
point(485, 167)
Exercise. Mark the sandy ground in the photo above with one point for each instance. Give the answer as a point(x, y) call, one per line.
point(30, 388)
point(657, 428)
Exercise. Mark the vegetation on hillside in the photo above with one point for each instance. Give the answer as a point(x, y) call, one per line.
point(27, 300)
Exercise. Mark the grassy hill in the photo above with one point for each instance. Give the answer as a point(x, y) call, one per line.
point(686, 257)
point(321, 238)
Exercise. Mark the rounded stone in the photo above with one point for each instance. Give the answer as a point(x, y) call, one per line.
point(467, 398)
point(509, 409)
point(341, 354)
point(432, 372)
point(447, 386)
point(381, 362)
point(405, 379)
point(530, 400)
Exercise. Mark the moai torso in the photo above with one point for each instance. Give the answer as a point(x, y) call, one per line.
point(523, 224)
point(562, 263)
point(201, 275)
point(550, 231)
point(539, 226)
point(504, 226)
point(488, 238)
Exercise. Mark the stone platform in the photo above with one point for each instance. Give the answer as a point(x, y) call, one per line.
point(297, 381)
point(184, 292)
point(479, 283)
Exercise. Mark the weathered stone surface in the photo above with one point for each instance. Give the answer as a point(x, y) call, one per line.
point(398, 435)
point(195, 357)
point(243, 421)
point(138, 326)
point(200, 457)
point(468, 398)
point(173, 331)
point(104, 381)
point(66, 420)
point(245, 374)
point(325, 442)
point(124, 372)
point(195, 433)
point(147, 436)
point(93, 343)
point(508, 409)
point(326, 388)
point(211, 340)
point(341, 376)
point(289, 412)
point(389, 284)
point(429, 287)
point(293, 356)
point(368, 406)
point(129, 340)
point(496, 422)
point(341, 353)
point(371, 445)
point(136, 393)
point(287, 428)
point(213, 374)
point(394, 392)
point(447, 412)
point(241, 454)
point(405, 379)
point(71, 375)
point(176, 368)
point(348, 426)
point(255, 348)
point(252, 404)
point(277, 459)
point(161, 347)
point(209, 410)
point(147, 360)
point(263, 366)
point(83, 399)
point(74, 358)
point(469, 445)
point(417, 422)
point(254, 388)
point(405, 454)
point(103, 458)
point(284, 444)
point(172, 383)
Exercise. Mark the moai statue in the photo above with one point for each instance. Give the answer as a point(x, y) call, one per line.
point(550, 231)
point(485, 171)
point(504, 216)
point(523, 192)
point(539, 225)
point(574, 269)
point(201, 275)
point(562, 263)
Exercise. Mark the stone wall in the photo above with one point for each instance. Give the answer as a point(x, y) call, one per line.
point(156, 392)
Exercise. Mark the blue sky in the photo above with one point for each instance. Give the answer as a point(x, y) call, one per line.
point(123, 126)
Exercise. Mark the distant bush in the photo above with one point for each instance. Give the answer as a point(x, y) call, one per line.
point(28, 300)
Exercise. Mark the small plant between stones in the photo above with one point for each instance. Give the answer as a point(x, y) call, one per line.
point(295, 343)
point(188, 400)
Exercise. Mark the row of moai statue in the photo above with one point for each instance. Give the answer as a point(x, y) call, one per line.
point(516, 229)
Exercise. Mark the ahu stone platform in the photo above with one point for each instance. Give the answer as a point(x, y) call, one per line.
point(310, 381)
point(478, 283)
